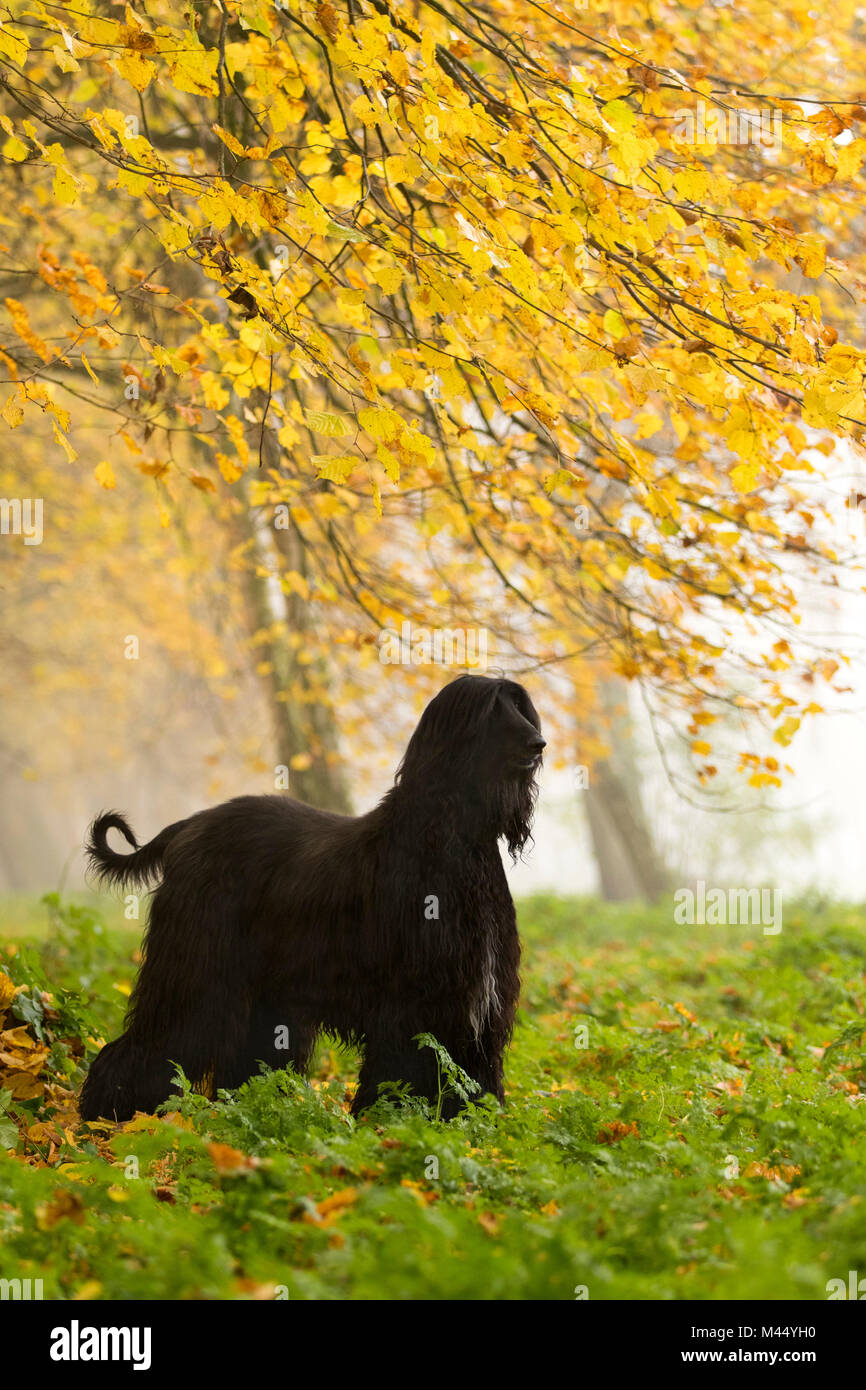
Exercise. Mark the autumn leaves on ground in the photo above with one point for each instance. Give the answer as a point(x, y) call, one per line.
point(682, 1122)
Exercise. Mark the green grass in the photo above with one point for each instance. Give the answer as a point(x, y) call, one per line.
point(705, 1143)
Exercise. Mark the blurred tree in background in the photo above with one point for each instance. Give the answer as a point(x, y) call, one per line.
point(321, 319)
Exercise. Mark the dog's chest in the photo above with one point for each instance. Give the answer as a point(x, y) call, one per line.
point(487, 1001)
point(490, 921)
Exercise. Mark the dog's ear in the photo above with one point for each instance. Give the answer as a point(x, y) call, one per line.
point(451, 725)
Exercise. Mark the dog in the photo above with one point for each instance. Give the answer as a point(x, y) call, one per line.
point(274, 921)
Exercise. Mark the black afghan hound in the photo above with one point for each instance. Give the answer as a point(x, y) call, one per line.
point(274, 920)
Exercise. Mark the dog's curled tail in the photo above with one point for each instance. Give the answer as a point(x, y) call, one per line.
point(138, 867)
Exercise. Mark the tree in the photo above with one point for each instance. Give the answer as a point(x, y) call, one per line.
point(522, 314)
point(628, 858)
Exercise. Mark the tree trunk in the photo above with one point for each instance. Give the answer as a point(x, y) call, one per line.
point(303, 725)
point(305, 731)
point(629, 863)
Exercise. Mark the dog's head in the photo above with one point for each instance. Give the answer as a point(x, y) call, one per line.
point(480, 739)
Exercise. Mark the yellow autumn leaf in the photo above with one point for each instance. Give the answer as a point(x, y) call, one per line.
point(13, 46)
point(812, 256)
point(786, 731)
point(336, 468)
point(15, 149)
point(325, 422)
point(88, 1291)
point(104, 475)
point(60, 438)
point(13, 412)
point(194, 70)
point(228, 468)
point(89, 370)
point(230, 141)
point(21, 324)
point(174, 237)
point(618, 114)
point(389, 462)
point(389, 278)
point(134, 69)
point(744, 476)
point(381, 423)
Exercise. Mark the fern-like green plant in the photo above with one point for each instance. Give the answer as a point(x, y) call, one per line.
point(451, 1080)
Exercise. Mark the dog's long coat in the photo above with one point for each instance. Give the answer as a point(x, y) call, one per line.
point(274, 921)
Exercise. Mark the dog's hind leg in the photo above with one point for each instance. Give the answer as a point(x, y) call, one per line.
point(275, 1036)
point(123, 1079)
point(190, 1005)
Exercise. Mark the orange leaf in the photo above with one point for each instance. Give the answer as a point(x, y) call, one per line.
point(22, 1085)
point(228, 1160)
point(65, 1206)
point(346, 1197)
point(490, 1222)
point(616, 1130)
